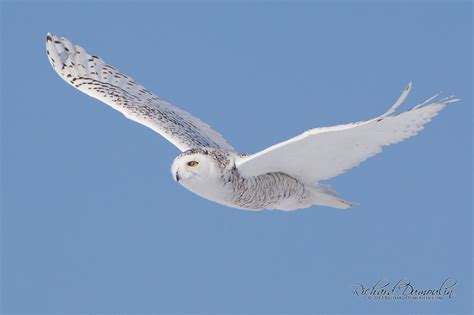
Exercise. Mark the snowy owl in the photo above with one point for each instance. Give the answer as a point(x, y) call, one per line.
point(285, 176)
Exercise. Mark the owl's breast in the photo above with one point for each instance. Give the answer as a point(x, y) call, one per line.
point(267, 191)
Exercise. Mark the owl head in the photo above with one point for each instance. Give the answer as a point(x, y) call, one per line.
point(199, 166)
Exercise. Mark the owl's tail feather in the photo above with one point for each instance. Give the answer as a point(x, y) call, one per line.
point(324, 195)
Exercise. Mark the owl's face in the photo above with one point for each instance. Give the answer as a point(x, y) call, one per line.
point(193, 167)
point(200, 171)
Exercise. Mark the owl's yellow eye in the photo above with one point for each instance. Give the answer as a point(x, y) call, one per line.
point(193, 163)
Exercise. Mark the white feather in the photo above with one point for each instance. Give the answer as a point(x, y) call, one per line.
point(322, 153)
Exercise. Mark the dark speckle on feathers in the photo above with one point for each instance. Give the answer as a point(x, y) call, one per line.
point(91, 74)
point(264, 191)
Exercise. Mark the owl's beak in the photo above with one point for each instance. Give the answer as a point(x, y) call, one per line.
point(177, 176)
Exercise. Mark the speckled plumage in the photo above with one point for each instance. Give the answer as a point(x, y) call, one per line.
point(93, 76)
point(267, 191)
point(284, 176)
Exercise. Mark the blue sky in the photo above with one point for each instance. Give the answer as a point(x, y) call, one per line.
point(92, 220)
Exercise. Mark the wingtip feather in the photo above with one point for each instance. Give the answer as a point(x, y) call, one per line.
point(400, 100)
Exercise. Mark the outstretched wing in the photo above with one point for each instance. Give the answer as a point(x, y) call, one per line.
point(322, 153)
point(91, 75)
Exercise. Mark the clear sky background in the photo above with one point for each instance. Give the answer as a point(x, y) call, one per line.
point(92, 220)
